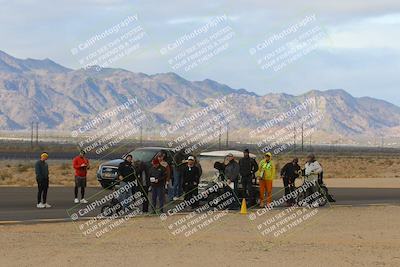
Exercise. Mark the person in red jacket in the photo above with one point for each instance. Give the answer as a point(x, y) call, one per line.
point(81, 165)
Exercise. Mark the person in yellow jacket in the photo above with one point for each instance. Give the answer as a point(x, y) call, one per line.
point(266, 174)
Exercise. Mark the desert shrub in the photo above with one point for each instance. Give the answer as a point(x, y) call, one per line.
point(5, 175)
point(65, 166)
point(22, 168)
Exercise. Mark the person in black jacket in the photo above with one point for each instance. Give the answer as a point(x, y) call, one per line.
point(289, 173)
point(191, 179)
point(143, 182)
point(178, 166)
point(128, 177)
point(157, 174)
point(247, 168)
point(42, 179)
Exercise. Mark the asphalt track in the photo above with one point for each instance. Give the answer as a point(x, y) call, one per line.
point(18, 204)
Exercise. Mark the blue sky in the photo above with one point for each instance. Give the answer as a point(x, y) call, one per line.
point(359, 53)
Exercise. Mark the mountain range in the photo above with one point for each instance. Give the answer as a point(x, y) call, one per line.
point(61, 99)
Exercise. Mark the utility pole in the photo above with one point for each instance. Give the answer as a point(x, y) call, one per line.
point(219, 137)
point(302, 137)
point(141, 134)
point(32, 134)
point(294, 139)
point(37, 133)
point(227, 134)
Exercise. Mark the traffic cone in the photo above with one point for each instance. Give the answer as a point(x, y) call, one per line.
point(243, 209)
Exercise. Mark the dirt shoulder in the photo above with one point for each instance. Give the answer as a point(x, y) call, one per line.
point(363, 236)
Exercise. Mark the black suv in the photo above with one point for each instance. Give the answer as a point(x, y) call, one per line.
point(107, 172)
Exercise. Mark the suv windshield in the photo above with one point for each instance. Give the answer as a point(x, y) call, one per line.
point(143, 155)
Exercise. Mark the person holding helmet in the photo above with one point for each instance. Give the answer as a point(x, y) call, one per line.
point(42, 179)
point(266, 175)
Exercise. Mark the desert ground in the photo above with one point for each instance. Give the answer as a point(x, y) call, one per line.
point(21, 173)
point(340, 236)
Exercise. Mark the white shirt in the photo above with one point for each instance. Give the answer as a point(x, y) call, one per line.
point(312, 170)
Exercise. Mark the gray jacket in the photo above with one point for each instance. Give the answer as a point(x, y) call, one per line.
point(232, 171)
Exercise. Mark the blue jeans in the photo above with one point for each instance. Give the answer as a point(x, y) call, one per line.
point(177, 187)
point(170, 189)
point(157, 192)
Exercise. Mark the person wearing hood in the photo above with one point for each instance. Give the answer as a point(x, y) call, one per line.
point(289, 173)
point(178, 167)
point(248, 167)
point(127, 174)
point(266, 175)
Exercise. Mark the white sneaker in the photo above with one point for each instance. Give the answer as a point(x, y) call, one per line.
point(83, 200)
point(76, 200)
point(47, 205)
point(40, 205)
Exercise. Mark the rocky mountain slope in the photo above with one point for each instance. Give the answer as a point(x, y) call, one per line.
point(62, 99)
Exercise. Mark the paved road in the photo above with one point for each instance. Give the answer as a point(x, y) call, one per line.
point(18, 203)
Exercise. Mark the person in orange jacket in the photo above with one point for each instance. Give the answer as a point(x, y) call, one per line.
point(265, 175)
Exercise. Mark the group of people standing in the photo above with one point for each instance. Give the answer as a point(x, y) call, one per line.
point(265, 172)
point(80, 164)
point(248, 170)
point(182, 176)
point(177, 178)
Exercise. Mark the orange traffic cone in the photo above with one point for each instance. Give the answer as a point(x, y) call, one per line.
point(243, 209)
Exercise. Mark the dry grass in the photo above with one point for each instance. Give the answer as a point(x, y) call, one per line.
point(61, 172)
point(363, 166)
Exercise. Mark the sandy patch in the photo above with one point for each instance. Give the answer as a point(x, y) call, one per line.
point(363, 236)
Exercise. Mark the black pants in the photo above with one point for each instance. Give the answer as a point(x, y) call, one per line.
point(248, 189)
point(191, 191)
point(42, 191)
point(310, 193)
point(80, 182)
point(145, 192)
point(233, 196)
point(289, 188)
point(82, 192)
